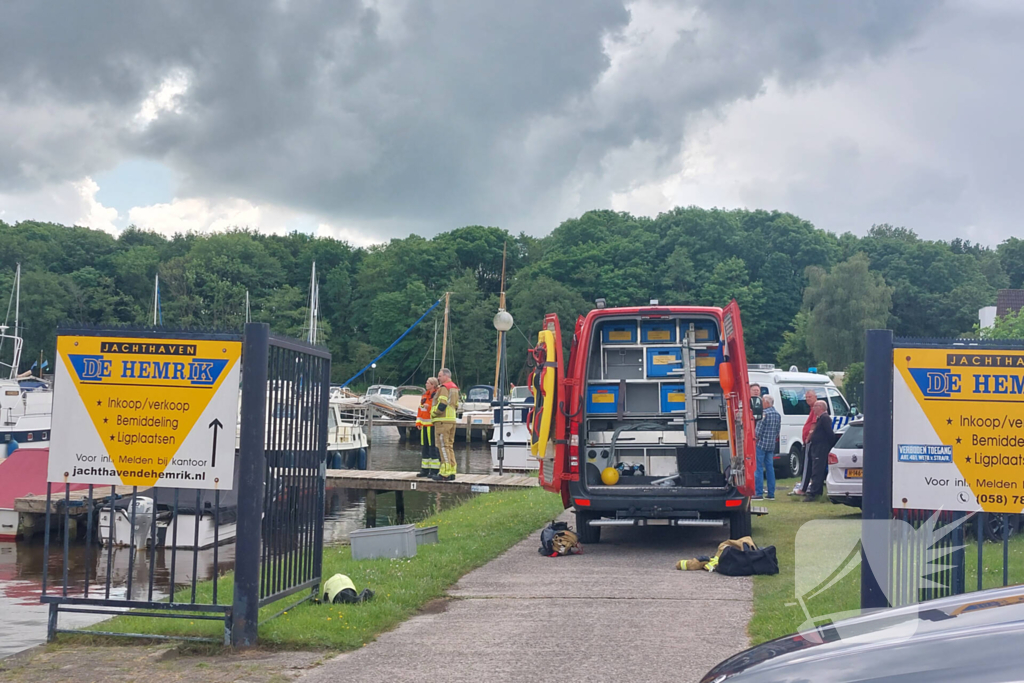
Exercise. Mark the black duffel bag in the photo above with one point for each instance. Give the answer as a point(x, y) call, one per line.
point(747, 562)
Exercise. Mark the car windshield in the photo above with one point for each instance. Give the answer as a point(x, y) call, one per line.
point(853, 437)
point(839, 404)
point(793, 402)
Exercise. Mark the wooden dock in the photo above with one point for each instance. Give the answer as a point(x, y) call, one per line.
point(382, 480)
point(36, 504)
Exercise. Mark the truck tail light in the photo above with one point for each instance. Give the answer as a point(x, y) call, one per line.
point(574, 448)
point(734, 503)
point(833, 459)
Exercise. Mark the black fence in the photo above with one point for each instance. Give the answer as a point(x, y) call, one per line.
point(928, 554)
point(276, 506)
point(285, 391)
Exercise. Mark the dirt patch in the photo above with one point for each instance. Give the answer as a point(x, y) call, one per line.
point(153, 664)
point(435, 606)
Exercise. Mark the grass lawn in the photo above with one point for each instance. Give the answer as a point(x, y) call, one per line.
point(776, 610)
point(470, 535)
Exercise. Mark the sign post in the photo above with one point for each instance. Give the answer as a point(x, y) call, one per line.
point(144, 410)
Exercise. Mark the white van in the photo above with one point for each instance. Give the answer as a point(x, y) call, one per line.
point(788, 389)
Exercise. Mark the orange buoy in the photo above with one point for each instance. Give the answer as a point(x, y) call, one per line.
point(725, 377)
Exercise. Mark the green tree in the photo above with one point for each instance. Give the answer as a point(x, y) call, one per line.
point(794, 350)
point(843, 304)
point(1008, 326)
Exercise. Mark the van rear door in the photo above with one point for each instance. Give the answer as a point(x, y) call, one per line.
point(741, 419)
point(553, 461)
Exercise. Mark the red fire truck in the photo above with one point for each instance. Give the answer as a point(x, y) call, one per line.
point(649, 421)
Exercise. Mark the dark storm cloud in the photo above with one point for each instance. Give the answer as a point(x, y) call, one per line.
point(411, 112)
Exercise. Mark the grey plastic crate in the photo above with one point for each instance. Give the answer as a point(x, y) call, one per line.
point(426, 536)
point(385, 541)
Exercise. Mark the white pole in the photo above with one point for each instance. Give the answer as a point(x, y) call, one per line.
point(435, 348)
point(248, 317)
point(312, 306)
point(156, 296)
point(17, 299)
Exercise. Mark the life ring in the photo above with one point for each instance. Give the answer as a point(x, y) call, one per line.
point(542, 386)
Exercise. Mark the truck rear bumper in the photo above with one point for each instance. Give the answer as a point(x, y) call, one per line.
point(677, 521)
point(713, 505)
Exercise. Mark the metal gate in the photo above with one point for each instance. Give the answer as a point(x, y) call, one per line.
point(912, 555)
point(280, 473)
point(170, 586)
point(283, 443)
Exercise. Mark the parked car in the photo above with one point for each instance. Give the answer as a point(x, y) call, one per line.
point(972, 637)
point(846, 466)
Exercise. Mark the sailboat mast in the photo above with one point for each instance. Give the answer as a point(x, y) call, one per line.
point(248, 316)
point(17, 300)
point(156, 297)
point(444, 340)
point(434, 374)
point(314, 301)
point(501, 307)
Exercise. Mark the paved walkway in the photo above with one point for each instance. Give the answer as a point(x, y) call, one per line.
point(619, 612)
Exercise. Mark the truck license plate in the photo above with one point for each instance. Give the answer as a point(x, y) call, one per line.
point(855, 473)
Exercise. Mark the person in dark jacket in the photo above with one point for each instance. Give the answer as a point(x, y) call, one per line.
point(820, 443)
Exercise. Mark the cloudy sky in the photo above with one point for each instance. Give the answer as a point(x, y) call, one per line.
point(368, 119)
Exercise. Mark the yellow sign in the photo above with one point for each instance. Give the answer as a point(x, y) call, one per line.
point(602, 397)
point(675, 397)
point(664, 360)
point(145, 412)
point(620, 335)
point(704, 360)
point(958, 429)
point(659, 335)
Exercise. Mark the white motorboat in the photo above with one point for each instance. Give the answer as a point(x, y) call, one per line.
point(517, 440)
point(122, 531)
point(25, 401)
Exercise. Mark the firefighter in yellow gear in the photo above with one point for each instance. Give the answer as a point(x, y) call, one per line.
point(446, 402)
point(429, 461)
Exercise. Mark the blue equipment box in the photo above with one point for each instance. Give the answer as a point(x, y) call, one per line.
point(704, 330)
point(603, 399)
point(673, 398)
point(707, 362)
point(658, 332)
point(664, 361)
point(619, 333)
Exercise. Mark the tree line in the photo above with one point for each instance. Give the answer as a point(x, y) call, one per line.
point(806, 294)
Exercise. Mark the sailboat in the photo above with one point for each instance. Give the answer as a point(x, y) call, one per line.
point(25, 402)
point(511, 426)
point(346, 440)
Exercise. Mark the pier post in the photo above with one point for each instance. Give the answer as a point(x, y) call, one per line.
point(371, 509)
point(400, 506)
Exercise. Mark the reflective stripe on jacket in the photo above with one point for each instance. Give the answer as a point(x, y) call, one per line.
point(447, 395)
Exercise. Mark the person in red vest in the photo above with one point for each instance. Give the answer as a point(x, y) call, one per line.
point(429, 461)
point(811, 397)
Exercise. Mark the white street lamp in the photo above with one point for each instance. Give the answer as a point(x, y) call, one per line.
point(502, 323)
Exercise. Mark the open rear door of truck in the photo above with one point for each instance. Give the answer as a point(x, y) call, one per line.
point(742, 420)
point(553, 459)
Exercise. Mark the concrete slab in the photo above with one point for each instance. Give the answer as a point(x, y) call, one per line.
point(621, 611)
